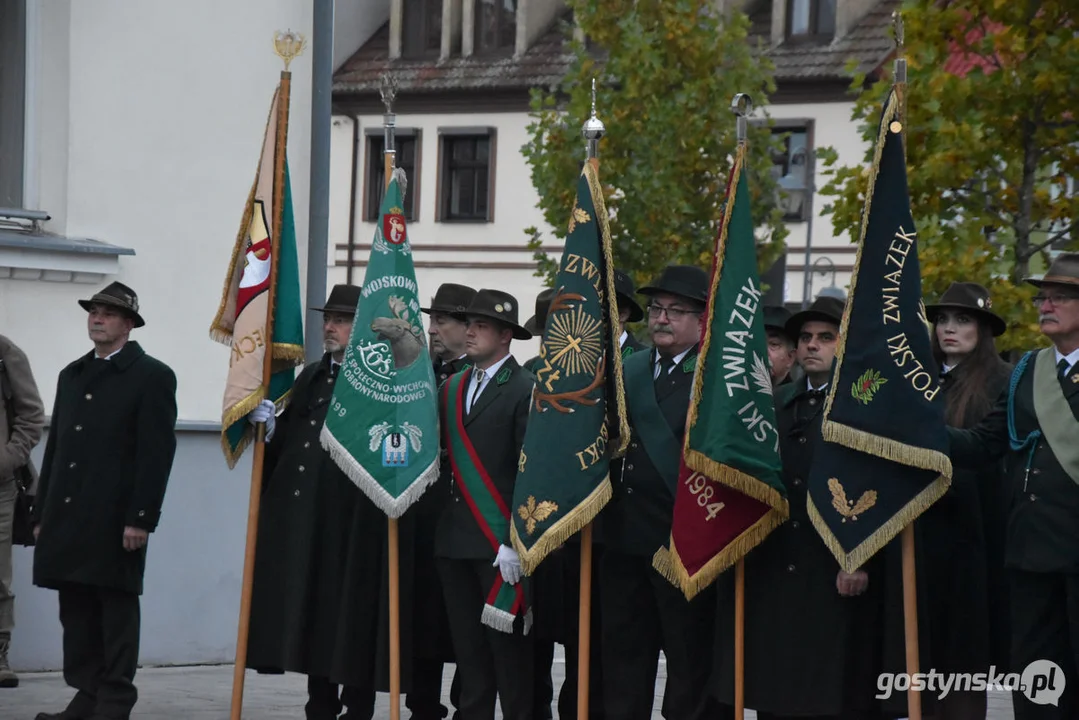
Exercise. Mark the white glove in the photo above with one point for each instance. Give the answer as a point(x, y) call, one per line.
point(509, 564)
point(264, 412)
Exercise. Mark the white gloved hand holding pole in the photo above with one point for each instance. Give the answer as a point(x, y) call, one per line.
point(509, 564)
point(264, 412)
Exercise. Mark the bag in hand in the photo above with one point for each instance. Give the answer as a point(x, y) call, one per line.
point(22, 531)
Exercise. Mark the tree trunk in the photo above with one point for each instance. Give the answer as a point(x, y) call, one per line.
point(1023, 219)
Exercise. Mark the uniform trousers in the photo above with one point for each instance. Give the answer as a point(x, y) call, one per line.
point(101, 649)
point(325, 700)
point(490, 662)
point(425, 700)
point(642, 615)
point(1045, 626)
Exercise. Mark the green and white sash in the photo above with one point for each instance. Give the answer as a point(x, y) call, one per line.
point(1055, 417)
point(505, 602)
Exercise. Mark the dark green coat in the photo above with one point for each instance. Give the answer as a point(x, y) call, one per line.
point(107, 461)
point(320, 596)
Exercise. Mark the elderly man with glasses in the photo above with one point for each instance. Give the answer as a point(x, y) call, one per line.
point(643, 613)
point(1037, 420)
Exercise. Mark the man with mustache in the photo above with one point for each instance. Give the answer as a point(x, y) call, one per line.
point(318, 601)
point(643, 613)
point(1037, 419)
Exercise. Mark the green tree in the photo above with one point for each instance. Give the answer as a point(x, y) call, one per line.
point(992, 146)
point(666, 71)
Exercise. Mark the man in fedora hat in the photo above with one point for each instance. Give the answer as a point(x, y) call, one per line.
point(431, 637)
point(107, 462)
point(780, 344)
point(484, 412)
point(317, 605)
point(643, 613)
point(1037, 420)
point(629, 311)
point(829, 666)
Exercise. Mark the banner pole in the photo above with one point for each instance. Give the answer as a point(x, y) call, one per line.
point(584, 626)
point(258, 459)
point(739, 640)
point(389, 92)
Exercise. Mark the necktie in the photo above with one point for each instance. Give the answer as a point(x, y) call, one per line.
point(476, 392)
point(1062, 368)
point(665, 365)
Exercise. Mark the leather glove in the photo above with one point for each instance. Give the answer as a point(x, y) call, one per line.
point(509, 564)
point(264, 412)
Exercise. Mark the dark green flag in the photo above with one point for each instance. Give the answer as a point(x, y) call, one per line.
point(885, 459)
point(577, 421)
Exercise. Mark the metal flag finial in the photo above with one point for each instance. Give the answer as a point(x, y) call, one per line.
point(900, 60)
point(742, 106)
point(388, 90)
point(593, 128)
point(897, 24)
point(288, 45)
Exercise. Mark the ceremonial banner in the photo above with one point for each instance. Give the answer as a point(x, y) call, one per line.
point(241, 318)
point(382, 427)
point(884, 409)
point(577, 422)
point(730, 491)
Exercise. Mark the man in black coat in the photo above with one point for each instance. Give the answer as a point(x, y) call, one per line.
point(812, 645)
point(433, 647)
point(484, 413)
point(629, 311)
point(320, 592)
point(643, 613)
point(1042, 546)
point(107, 462)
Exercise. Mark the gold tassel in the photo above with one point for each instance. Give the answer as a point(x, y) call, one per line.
point(887, 448)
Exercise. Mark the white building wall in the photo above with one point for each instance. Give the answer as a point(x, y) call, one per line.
point(149, 119)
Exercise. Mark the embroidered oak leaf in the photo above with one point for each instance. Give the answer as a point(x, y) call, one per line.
point(533, 513)
point(578, 216)
point(865, 387)
point(415, 436)
point(848, 508)
point(762, 377)
point(377, 433)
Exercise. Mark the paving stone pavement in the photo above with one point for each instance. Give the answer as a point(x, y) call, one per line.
point(203, 692)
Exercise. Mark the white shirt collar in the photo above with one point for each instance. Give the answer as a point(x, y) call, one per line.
point(622, 338)
point(1072, 357)
point(109, 356)
point(677, 360)
point(490, 372)
point(809, 385)
point(945, 368)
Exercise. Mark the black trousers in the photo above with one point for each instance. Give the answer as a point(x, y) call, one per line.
point(642, 614)
point(425, 700)
point(1045, 626)
point(325, 700)
point(101, 649)
point(490, 663)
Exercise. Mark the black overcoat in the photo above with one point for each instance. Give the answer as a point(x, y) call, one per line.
point(107, 461)
point(320, 602)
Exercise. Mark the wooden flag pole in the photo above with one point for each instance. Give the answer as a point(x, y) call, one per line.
point(287, 46)
point(739, 639)
point(910, 620)
point(584, 625)
point(389, 91)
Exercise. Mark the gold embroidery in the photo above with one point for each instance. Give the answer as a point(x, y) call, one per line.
point(532, 513)
point(521, 461)
point(849, 508)
point(578, 216)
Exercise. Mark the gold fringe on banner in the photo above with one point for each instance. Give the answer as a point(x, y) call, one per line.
point(566, 527)
point(856, 558)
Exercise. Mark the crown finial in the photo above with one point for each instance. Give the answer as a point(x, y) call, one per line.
point(288, 46)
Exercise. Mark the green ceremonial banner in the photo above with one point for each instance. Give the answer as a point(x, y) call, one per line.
point(563, 474)
point(382, 426)
point(730, 491)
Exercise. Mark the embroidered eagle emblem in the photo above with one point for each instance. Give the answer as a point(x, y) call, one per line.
point(533, 512)
point(849, 508)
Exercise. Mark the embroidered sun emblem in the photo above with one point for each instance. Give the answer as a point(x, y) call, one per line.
point(574, 342)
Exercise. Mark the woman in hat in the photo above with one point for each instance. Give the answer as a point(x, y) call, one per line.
point(965, 528)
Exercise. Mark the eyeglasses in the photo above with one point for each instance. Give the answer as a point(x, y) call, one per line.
point(654, 311)
point(1055, 299)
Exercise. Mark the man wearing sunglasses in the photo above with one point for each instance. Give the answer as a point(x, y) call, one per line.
point(1037, 418)
point(643, 613)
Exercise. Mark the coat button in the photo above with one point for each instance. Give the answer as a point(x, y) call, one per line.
point(633, 445)
point(797, 482)
point(329, 381)
point(322, 399)
point(629, 491)
point(1033, 497)
point(790, 568)
point(629, 467)
point(142, 513)
point(812, 401)
point(297, 493)
point(802, 440)
point(312, 423)
point(794, 524)
point(307, 444)
point(67, 499)
point(301, 468)
point(71, 465)
point(1036, 471)
point(89, 396)
point(78, 428)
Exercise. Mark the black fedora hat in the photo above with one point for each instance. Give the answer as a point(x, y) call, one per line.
point(824, 309)
point(451, 298)
point(625, 292)
point(120, 296)
point(971, 297)
point(538, 322)
point(687, 281)
point(496, 305)
point(343, 299)
point(776, 317)
point(1063, 271)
